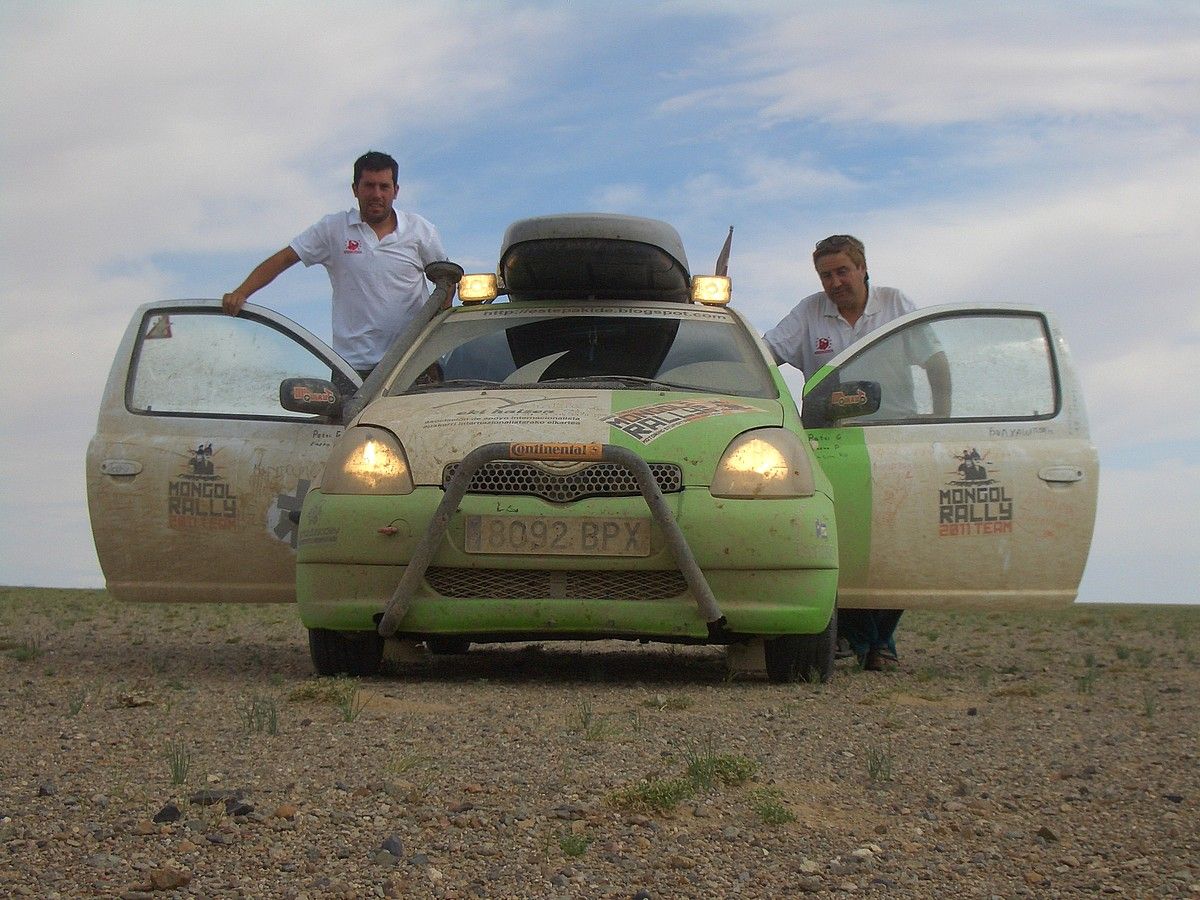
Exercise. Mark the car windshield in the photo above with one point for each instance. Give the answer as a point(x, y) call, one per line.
point(661, 347)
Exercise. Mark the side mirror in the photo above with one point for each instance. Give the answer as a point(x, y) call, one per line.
point(830, 401)
point(315, 396)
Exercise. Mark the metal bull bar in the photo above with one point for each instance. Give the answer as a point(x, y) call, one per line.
point(398, 605)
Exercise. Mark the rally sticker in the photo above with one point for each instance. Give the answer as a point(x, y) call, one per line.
point(645, 423)
point(974, 501)
point(200, 499)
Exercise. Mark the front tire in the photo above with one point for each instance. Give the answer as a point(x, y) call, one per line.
point(345, 652)
point(802, 657)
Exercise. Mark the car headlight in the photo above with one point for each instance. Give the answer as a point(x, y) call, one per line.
point(367, 461)
point(766, 462)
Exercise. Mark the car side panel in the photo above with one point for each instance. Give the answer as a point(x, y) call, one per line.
point(964, 513)
point(199, 508)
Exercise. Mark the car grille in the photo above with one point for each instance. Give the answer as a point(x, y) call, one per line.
point(536, 584)
point(595, 480)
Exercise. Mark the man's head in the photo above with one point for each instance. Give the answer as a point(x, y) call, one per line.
point(375, 186)
point(841, 264)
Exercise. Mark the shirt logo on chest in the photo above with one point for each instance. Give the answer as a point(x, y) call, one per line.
point(823, 345)
point(352, 246)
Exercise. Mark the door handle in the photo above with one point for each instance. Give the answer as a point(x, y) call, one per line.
point(120, 467)
point(1061, 474)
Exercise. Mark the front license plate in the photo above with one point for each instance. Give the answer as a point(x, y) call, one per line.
point(549, 535)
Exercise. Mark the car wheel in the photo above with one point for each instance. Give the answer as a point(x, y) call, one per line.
point(802, 657)
point(447, 646)
point(345, 652)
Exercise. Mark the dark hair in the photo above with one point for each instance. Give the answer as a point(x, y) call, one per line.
point(842, 243)
point(374, 161)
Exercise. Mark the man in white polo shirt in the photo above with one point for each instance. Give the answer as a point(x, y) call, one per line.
point(375, 256)
point(820, 327)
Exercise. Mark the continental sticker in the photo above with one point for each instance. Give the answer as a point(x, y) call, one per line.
point(198, 498)
point(974, 501)
point(555, 450)
point(645, 423)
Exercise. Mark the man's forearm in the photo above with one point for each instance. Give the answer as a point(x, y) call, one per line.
point(268, 270)
point(937, 368)
point(262, 275)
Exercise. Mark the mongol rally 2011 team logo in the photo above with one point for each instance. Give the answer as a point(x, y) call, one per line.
point(199, 498)
point(974, 501)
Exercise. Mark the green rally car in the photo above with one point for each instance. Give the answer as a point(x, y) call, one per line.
point(591, 445)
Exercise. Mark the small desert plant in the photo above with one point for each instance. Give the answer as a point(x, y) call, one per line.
point(26, 650)
point(926, 674)
point(76, 702)
point(408, 762)
point(260, 714)
point(665, 701)
point(572, 844)
point(1027, 689)
point(349, 699)
point(179, 761)
point(1149, 701)
point(1086, 682)
point(317, 690)
point(879, 763)
point(706, 768)
point(654, 795)
point(768, 807)
point(591, 726)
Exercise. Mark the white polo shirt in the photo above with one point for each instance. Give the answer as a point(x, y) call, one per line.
point(814, 332)
point(378, 285)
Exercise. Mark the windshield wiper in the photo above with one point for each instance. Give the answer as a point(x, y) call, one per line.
point(453, 383)
point(622, 379)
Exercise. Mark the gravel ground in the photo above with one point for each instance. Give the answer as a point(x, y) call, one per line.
point(187, 751)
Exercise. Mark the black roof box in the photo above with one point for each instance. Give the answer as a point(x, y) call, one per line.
point(579, 256)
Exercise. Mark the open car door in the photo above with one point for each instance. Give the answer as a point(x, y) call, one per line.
point(196, 473)
point(985, 498)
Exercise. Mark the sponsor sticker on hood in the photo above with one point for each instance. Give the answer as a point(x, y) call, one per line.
point(645, 423)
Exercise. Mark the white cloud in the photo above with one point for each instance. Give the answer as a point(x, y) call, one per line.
point(1143, 549)
point(929, 64)
point(619, 198)
point(222, 126)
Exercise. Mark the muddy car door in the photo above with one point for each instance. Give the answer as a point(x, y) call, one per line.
point(964, 476)
point(196, 472)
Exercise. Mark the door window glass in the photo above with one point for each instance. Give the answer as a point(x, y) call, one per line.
point(1000, 367)
point(211, 364)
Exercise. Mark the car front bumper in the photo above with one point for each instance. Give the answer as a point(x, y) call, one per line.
point(717, 567)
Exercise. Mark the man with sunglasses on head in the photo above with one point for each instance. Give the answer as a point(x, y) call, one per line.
point(818, 328)
point(375, 256)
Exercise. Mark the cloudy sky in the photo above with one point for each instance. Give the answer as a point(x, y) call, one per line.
point(1046, 154)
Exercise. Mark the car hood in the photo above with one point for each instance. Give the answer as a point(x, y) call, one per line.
point(689, 429)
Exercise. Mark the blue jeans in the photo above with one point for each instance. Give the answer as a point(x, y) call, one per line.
point(869, 629)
